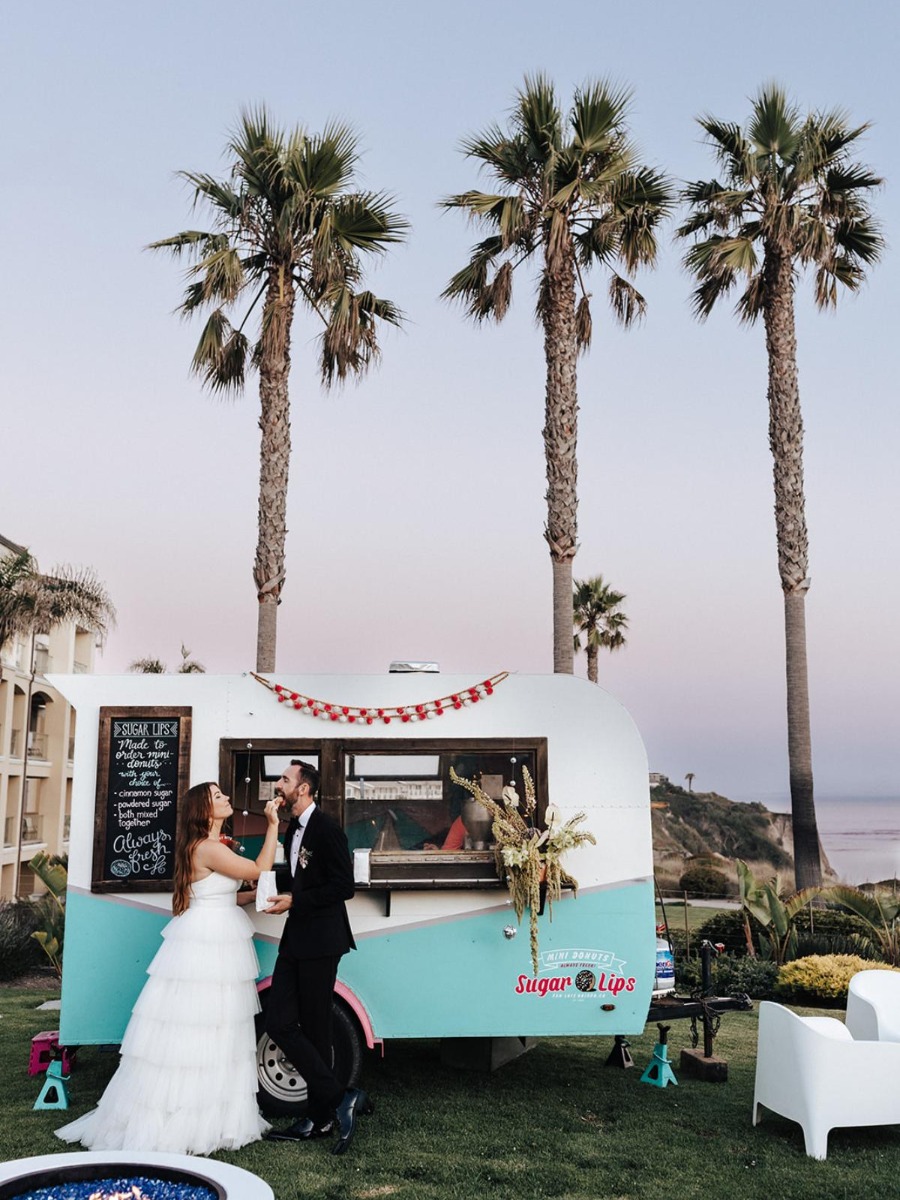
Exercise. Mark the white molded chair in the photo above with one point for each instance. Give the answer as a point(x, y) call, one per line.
point(810, 1070)
point(873, 1006)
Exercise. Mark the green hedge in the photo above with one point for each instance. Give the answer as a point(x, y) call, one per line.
point(20, 954)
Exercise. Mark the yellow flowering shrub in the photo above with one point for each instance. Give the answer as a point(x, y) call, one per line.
point(822, 977)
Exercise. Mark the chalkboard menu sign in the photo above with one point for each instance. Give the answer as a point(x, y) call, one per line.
point(142, 769)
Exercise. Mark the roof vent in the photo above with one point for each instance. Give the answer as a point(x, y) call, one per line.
point(405, 666)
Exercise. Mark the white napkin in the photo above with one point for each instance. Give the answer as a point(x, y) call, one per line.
point(266, 888)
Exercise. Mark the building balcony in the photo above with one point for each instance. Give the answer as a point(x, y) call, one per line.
point(80, 668)
point(42, 660)
point(37, 746)
point(32, 829)
point(16, 743)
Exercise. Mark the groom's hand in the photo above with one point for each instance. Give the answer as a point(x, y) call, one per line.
point(279, 904)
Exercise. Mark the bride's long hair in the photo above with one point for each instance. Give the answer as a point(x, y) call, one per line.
point(195, 816)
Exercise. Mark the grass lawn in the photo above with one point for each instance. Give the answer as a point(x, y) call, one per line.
point(553, 1123)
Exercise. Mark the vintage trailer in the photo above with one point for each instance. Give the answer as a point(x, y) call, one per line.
point(440, 952)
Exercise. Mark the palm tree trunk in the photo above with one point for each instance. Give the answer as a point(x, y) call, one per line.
point(593, 654)
point(786, 443)
point(274, 463)
point(560, 445)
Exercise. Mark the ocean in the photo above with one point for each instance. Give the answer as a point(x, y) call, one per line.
point(860, 834)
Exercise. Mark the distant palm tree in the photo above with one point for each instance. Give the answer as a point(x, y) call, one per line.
point(597, 616)
point(287, 225)
point(155, 666)
point(573, 195)
point(34, 603)
point(690, 780)
point(791, 198)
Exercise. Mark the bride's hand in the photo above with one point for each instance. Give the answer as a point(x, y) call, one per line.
point(272, 811)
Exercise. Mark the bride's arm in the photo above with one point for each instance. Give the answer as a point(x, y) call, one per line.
point(215, 856)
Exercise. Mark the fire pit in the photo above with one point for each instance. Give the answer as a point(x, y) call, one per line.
point(127, 1175)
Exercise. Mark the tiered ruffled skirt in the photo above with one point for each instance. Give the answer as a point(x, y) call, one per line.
point(186, 1083)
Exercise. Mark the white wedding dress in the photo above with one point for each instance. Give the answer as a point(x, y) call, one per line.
point(186, 1083)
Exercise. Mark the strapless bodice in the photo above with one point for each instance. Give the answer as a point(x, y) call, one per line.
point(214, 891)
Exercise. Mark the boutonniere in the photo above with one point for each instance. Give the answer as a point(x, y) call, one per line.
point(303, 858)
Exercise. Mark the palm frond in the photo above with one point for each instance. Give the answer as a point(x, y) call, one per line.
point(221, 355)
point(584, 327)
point(751, 304)
point(598, 114)
point(775, 123)
point(627, 302)
point(537, 115)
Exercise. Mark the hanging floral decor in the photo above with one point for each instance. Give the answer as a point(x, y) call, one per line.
point(407, 714)
point(528, 858)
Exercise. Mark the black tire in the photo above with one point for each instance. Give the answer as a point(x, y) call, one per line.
point(282, 1090)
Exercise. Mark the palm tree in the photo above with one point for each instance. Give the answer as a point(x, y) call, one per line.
point(156, 666)
point(34, 603)
point(598, 617)
point(791, 198)
point(572, 195)
point(287, 225)
point(690, 780)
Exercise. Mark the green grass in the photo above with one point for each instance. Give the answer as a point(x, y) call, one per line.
point(553, 1123)
point(697, 915)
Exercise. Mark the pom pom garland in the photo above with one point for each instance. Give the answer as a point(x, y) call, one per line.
point(349, 714)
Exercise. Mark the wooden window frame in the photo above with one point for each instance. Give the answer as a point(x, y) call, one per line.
point(397, 870)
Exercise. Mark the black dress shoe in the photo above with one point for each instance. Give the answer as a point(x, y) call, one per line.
point(355, 1104)
point(300, 1131)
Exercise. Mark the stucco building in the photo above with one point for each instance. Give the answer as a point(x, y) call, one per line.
point(37, 737)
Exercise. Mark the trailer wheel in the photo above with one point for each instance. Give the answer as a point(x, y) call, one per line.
point(282, 1089)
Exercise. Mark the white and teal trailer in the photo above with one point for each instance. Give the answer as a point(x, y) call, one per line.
point(440, 953)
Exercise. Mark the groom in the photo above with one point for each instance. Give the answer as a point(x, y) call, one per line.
point(316, 934)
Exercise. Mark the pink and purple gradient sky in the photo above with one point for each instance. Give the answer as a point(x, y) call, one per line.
point(416, 504)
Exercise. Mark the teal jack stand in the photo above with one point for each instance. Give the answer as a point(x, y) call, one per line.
point(54, 1094)
point(659, 1070)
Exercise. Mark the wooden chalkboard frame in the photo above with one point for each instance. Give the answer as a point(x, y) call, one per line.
point(100, 881)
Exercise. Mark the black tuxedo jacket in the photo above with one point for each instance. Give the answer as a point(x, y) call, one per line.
point(317, 924)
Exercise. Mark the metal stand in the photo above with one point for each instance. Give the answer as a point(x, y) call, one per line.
point(54, 1094)
point(659, 1070)
point(620, 1055)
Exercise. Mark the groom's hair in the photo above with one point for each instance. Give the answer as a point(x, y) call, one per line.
point(308, 775)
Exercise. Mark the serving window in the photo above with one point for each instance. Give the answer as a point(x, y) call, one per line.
point(407, 823)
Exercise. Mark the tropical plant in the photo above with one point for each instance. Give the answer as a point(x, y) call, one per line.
point(155, 666)
point(777, 917)
point(51, 870)
point(598, 617)
point(791, 198)
point(288, 225)
point(690, 780)
point(574, 195)
point(34, 603)
point(526, 857)
point(881, 913)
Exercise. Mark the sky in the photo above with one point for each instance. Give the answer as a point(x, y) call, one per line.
point(416, 502)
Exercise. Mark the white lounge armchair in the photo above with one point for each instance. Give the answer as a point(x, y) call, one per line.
point(873, 1006)
point(810, 1070)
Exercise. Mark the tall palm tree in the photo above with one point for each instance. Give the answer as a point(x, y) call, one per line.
point(791, 198)
point(287, 225)
point(598, 617)
point(34, 603)
point(573, 195)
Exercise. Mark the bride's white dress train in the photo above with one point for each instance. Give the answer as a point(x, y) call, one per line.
point(186, 1083)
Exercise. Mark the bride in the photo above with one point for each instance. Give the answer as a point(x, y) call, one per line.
point(186, 1083)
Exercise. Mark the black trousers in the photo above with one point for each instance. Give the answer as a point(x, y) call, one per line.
point(299, 1021)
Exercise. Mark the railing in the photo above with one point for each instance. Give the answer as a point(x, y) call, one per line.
point(32, 825)
point(15, 743)
point(37, 746)
point(9, 832)
point(67, 826)
point(42, 660)
point(80, 668)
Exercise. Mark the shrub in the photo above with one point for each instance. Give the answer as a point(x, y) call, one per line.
point(705, 881)
point(821, 978)
point(731, 974)
point(728, 928)
point(19, 953)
